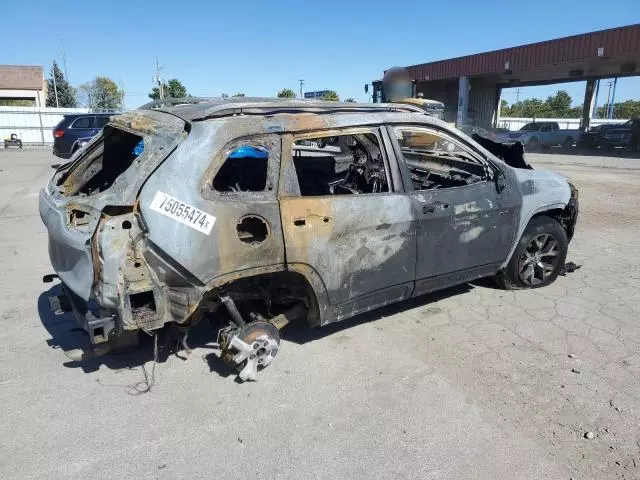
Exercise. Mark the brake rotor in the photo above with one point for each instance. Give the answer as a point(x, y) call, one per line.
point(256, 344)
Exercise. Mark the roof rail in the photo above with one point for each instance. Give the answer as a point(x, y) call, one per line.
point(168, 102)
point(230, 110)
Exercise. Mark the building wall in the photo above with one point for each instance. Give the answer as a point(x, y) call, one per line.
point(23, 82)
point(482, 103)
point(442, 91)
point(38, 96)
point(21, 77)
point(482, 100)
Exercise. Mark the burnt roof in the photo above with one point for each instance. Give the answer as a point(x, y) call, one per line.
point(196, 109)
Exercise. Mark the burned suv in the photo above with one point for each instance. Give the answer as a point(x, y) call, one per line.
point(264, 211)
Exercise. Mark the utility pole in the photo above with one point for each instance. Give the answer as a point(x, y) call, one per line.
point(301, 84)
point(55, 87)
point(595, 101)
point(158, 80)
point(121, 95)
point(518, 99)
point(64, 60)
point(610, 84)
point(613, 97)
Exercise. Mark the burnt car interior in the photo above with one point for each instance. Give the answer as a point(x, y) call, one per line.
point(340, 165)
point(435, 161)
point(107, 159)
point(244, 170)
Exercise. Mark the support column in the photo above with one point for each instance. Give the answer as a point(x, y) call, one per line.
point(463, 101)
point(496, 107)
point(587, 105)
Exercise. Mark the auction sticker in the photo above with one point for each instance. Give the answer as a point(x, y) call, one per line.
point(183, 212)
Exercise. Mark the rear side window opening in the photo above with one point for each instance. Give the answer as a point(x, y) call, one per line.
point(97, 169)
point(245, 169)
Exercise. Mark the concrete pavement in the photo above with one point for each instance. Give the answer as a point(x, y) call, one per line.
point(470, 383)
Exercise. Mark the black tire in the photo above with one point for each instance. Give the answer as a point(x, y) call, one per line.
point(533, 144)
point(514, 276)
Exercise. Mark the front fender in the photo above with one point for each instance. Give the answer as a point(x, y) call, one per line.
point(541, 191)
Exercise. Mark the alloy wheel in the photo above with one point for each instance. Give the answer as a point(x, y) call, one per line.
point(539, 259)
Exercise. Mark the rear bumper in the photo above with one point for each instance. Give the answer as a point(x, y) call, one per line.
point(59, 151)
point(100, 325)
point(69, 250)
point(65, 156)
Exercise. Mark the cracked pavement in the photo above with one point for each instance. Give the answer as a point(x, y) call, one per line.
point(473, 382)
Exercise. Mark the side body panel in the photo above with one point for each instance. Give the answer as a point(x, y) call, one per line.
point(463, 232)
point(466, 229)
point(188, 177)
point(362, 247)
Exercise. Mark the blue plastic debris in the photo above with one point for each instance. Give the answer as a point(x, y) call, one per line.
point(139, 148)
point(248, 151)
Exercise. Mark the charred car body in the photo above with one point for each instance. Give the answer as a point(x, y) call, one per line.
point(265, 211)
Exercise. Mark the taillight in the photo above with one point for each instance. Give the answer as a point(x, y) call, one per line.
point(58, 133)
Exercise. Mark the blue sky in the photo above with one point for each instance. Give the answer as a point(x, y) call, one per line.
point(259, 47)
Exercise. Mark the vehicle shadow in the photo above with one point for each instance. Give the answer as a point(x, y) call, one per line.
point(300, 333)
point(67, 337)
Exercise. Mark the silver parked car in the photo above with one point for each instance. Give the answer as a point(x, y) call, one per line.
point(265, 211)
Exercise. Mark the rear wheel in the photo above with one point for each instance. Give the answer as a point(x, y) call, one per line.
point(538, 257)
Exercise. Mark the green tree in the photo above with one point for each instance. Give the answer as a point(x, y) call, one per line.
point(559, 104)
point(101, 93)
point(350, 100)
point(240, 94)
point(505, 110)
point(331, 96)
point(626, 109)
point(555, 106)
point(172, 89)
point(286, 93)
point(66, 94)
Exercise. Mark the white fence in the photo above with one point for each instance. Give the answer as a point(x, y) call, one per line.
point(33, 125)
point(563, 123)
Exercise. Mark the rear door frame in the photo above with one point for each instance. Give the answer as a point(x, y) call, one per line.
point(322, 224)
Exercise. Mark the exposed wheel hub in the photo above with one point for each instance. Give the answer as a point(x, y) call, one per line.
point(252, 347)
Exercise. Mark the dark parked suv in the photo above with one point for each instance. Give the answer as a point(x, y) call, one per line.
point(68, 135)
